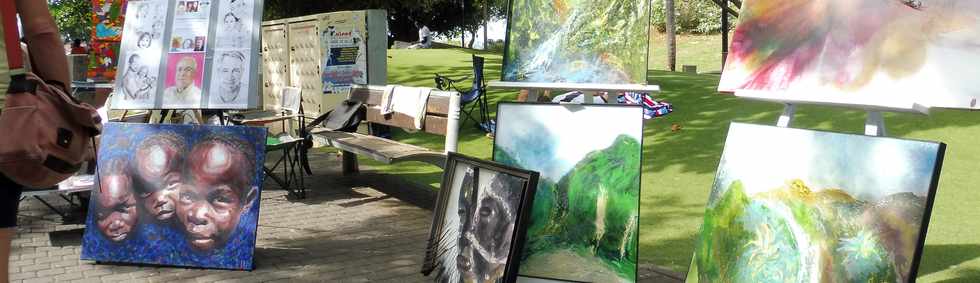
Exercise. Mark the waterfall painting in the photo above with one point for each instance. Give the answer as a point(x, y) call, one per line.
point(857, 52)
point(792, 205)
point(577, 41)
point(583, 222)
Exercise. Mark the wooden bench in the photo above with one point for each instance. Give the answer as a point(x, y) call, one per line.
point(441, 118)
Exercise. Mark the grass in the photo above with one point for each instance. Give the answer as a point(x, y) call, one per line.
point(703, 51)
point(679, 166)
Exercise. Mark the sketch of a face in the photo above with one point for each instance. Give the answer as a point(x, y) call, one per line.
point(116, 214)
point(230, 68)
point(188, 44)
point(158, 160)
point(487, 220)
point(133, 64)
point(218, 190)
point(144, 41)
point(186, 70)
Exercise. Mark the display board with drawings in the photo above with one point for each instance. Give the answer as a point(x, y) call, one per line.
point(189, 55)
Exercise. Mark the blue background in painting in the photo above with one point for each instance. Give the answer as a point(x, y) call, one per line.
point(162, 243)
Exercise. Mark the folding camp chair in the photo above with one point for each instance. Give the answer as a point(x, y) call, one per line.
point(291, 110)
point(473, 99)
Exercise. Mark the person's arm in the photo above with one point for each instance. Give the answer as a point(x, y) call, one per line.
point(43, 41)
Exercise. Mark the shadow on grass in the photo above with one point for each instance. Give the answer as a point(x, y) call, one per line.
point(937, 258)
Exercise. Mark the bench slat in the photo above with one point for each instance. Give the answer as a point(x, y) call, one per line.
point(433, 124)
point(438, 101)
point(380, 149)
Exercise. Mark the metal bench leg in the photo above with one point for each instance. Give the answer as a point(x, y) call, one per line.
point(349, 163)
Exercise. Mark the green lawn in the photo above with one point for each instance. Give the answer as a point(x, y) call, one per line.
point(703, 51)
point(679, 166)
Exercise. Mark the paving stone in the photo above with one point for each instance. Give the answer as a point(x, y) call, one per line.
point(339, 233)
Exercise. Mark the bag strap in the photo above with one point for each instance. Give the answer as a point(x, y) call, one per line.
point(11, 36)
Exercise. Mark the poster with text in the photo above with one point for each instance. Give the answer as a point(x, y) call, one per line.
point(344, 58)
point(141, 54)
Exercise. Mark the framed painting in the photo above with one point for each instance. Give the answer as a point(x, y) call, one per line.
point(877, 53)
point(177, 195)
point(810, 206)
point(584, 220)
point(577, 41)
point(478, 222)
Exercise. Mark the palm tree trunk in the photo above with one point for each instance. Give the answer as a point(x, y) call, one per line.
point(671, 40)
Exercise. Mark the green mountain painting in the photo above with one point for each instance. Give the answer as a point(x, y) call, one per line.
point(583, 225)
point(807, 206)
point(577, 41)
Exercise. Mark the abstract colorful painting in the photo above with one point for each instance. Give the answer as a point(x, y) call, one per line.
point(792, 205)
point(479, 220)
point(583, 222)
point(868, 52)
point(103, 61)
point(107, 16)
point(577, 41)
point(176, 195)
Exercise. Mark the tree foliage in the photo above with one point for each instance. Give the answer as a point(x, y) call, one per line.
point(74, 18)
point(449, 17)
point(692, 16)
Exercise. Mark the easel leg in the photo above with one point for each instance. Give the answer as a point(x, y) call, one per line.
point(532, 95)
point(874, 125)
point(786, 119)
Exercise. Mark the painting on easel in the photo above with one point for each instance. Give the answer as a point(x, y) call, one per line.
point(921, 51)
point(577, 41)
point(808, 206)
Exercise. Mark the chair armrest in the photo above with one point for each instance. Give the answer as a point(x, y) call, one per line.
point(266, 120)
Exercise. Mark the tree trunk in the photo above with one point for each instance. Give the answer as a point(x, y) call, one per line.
point(724, 36)
point(472, 38)
point(671, 40)
point(486, 25)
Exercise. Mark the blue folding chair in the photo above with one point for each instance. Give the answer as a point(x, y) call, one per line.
point(473, 99)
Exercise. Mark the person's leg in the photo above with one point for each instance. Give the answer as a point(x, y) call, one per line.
point(9, 200)
point(6, 236)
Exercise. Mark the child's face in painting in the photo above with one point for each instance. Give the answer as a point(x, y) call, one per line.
point(155, 165)
point(116, 216)
point(212, 201)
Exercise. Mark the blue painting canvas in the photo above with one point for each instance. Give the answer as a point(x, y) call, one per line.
point(792, 205)
point(179, 195)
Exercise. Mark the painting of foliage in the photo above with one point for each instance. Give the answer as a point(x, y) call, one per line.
point(807, 206)
point(872, 52)
point(584, 219)
point(577, 41)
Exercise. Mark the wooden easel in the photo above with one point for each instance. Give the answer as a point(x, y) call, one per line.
point(874, 124)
